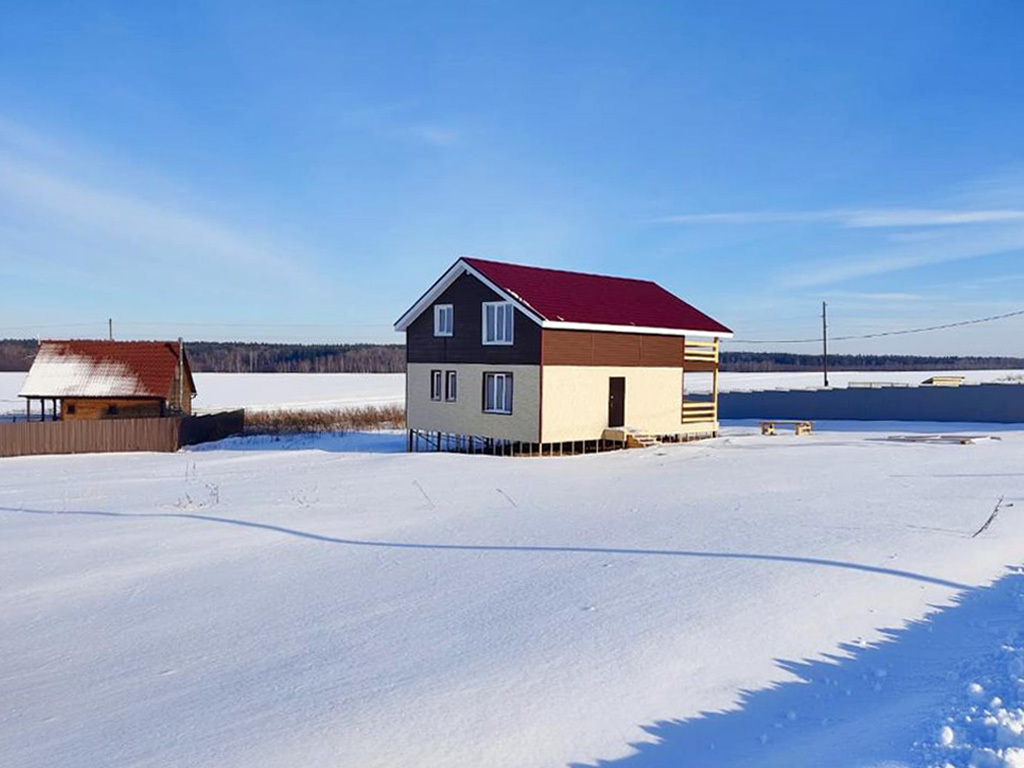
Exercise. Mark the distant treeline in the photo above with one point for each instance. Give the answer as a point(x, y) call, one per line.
point(227, 357)
point(244, 357)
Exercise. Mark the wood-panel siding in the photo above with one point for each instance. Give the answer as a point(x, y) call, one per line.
point(611, 349)
point(91, 409)
point(466, 295)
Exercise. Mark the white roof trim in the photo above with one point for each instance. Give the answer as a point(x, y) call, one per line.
point(456, 270)
point(567, 326)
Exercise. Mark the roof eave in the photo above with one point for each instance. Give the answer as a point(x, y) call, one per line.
point(563, 325)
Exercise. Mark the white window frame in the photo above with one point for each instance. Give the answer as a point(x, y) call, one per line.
point(507, 324)
point(440, 311)
point(451, 386)
point(436, 384)
point(495, 383)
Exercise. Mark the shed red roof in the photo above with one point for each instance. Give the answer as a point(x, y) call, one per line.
point(84, 368)
point(577, 297)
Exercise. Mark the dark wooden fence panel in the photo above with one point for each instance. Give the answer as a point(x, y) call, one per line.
point(116, 435)
point(215, 426)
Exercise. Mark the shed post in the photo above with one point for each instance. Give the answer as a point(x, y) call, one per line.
point(714, 381)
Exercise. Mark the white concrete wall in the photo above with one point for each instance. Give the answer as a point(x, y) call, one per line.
point(466, 416)
point(575, 401)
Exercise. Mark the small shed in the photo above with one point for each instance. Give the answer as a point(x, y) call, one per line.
point(85, 379)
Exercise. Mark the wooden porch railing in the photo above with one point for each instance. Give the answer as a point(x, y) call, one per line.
point(695, 411)
point(700, 351)
point(698, 411)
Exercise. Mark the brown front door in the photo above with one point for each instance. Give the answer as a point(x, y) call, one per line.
point(617, 401)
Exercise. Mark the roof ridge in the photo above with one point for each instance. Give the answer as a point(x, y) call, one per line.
point(108, 341)
point(554, 269)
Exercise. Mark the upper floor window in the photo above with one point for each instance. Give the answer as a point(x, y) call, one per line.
point(498, 321)
point(444, 319)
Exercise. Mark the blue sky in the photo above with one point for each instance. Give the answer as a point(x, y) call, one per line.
point(302, 171)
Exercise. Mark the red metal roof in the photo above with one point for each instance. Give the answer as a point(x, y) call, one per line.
point(84, 368)
point(578, 297)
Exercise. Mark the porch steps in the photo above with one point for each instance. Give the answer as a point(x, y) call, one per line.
point(637, 439)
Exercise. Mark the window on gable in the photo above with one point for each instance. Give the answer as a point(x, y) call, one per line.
point(451, 386)
point(435, 385)
point(444, 317)
point(498, 393)
point(498, 322)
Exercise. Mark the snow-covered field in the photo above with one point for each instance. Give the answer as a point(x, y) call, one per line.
point(267, 391)
point(744, 601)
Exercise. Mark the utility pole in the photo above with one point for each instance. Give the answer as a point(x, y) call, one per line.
point(110, 328)
point(824, 341)
point(181, 375)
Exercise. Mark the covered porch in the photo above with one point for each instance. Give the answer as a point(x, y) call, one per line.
point(700, 410)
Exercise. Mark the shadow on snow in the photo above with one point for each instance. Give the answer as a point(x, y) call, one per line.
point(865, 704)
point(500, 548)
point(870, 705)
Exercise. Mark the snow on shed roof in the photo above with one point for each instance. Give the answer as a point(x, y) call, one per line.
point(560, 299)
point(80, 368)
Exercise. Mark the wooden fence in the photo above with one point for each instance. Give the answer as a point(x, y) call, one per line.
point(117, 435)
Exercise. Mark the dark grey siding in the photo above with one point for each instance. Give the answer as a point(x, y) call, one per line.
point(466, 295)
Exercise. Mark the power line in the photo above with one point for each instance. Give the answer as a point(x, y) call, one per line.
point(899, 332)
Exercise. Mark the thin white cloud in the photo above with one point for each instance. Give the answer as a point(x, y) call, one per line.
point(960, 245)
point(855, 217)
point(118, 216)
point(441, 137)
point(875, 296)
point(396, 121)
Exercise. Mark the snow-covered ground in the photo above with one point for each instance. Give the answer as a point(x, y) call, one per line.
point(744, 601)
point(266, 391)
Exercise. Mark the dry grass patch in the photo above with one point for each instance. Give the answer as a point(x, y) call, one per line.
point(369, 418)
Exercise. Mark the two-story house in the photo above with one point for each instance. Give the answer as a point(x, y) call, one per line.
point(509, 358)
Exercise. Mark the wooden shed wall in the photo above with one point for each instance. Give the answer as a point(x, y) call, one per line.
point(92, 409)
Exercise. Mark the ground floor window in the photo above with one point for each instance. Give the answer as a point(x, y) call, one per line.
point(435, 385)
point(451, 386)
point(498, 393)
